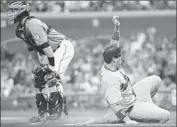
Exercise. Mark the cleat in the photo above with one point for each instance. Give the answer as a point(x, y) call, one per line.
point(53, 116)
point(37, 120)
point(65, 110)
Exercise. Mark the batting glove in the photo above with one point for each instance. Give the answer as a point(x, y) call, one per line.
point(131, 122)
point(115, 20)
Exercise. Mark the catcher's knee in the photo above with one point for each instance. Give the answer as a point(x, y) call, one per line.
point(41, 103)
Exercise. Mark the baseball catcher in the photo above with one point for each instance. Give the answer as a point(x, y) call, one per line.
point(47, 47)
point(129, 103)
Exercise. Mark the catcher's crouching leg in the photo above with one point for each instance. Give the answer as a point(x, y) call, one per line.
point(42, 109)
point(65, 106)
point(55, 104)
point(41, 103)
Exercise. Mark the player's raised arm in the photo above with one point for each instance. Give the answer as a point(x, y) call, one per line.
point(116, 32)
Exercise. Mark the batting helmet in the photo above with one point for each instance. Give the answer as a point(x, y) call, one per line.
point(111, 51)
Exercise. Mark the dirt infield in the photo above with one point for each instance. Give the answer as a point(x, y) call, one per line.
point(77, 117)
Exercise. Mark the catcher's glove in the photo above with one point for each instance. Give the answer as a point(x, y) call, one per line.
point(42, 75)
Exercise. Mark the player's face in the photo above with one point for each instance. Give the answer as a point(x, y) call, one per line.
point(15, 9)
point(12, 14)
point(118, 61)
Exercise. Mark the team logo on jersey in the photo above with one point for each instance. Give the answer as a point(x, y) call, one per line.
point(123, 86)
point(36, 37)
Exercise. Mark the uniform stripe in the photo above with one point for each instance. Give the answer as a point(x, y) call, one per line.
point(55, 33)
point(62, 59)
point(57, 39)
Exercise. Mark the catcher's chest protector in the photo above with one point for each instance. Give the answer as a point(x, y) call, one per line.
point(24, 33)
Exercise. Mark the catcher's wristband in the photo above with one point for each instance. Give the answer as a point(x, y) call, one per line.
point(116, 35)
point(51, 61)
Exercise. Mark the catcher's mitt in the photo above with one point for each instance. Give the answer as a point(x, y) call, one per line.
point(42, 75)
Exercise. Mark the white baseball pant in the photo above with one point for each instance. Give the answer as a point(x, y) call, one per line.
point(144, 109)
point(63, 56)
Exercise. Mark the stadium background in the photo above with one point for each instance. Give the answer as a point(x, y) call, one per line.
point(148, 37)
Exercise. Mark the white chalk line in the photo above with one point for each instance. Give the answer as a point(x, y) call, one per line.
point(14, 118)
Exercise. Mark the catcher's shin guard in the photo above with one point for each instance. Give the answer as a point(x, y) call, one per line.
point(55, 104)
point(65, 106)
point(41, 103)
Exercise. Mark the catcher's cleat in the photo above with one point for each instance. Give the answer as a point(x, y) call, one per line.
point(65, 110)
point(62, 112)
point(37, 120)
point(53, 116)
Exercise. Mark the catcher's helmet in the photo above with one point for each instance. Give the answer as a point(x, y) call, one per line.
point(15, 9)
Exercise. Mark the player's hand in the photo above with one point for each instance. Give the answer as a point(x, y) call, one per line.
point(130, 122)
point(33, 77)
point(51, 67)
point(115, 20)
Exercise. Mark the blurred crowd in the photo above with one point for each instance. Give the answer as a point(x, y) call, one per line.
point(15, 74)
point(102, 5)
point(144, 54)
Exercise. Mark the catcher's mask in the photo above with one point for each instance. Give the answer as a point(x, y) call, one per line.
point(16, 9)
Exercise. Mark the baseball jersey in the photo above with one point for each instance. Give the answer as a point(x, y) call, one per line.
point(117, 87)
point(35, 33)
